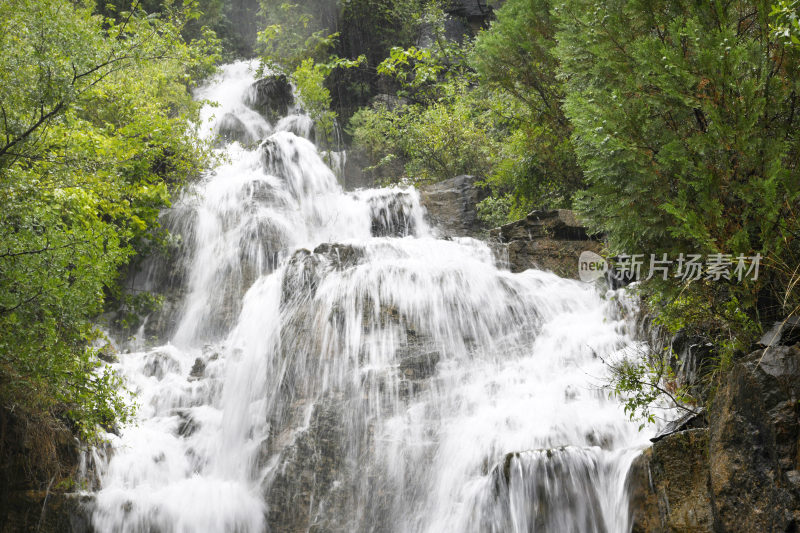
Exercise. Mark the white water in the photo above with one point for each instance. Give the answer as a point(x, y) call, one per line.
point(411, 366)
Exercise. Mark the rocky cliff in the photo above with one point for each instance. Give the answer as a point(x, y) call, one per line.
point(39, 466)
point(739, 473)
point(549, 240)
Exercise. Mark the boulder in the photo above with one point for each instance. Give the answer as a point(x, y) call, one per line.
point(668, 485)
point(753, 447)
point(108, 353)
point(742, 473)
point(549, 240)
point(230, 128)
point(271, 96)
point(452, 205)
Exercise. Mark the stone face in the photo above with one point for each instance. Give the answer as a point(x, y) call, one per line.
point(694, 360)
point(39, 460)
point(753, 445)
point(741, 473)
point(270, 96)
point(230, 128)
point(48, 513)
point(668, 485)
point(548, 240)
point(452, 205)
point(784, 332)
point(299, 492)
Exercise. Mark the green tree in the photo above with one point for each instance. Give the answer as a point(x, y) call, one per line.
point(515, 61)
point(685, 123)
point(95, 136)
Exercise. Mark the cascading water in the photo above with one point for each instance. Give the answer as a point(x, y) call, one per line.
point(333, 366)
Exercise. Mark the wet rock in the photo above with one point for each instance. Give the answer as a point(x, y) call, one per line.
point(544, 490)
point(548, 240)
point(230, 129)
point(108, 354)
point(340, 255)
point(198, 369)
point(48, 512)
point(419, 366)
point(162, 323)
point(187, 425)
point(786, 332)
point(158, 364)
point(668, 485)
point(452, 205)
point(391, 214)
point(754, 443)
point(694, 420)
point(270, 96)
point(307, 471)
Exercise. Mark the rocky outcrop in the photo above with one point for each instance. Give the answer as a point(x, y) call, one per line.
point(467, 17)
point(39, 466)
point(742, 473)
point(452, 205)
point(302, 487)
point(548, 240)
point(230, 128)
point(669, 485)
point(48, 512)
point(271, 96)
point(753, 446)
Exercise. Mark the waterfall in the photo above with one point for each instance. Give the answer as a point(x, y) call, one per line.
point(331, 365)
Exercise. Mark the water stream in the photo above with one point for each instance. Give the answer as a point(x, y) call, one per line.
point(332, 365)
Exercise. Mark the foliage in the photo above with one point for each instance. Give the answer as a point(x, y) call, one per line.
point(95, 135)
point(309, 81)
point(293, 34)
point(646, 382)
point(786, 21)
point(685, 124)
point(684, 113)
point(448, 137)
point(515, 62)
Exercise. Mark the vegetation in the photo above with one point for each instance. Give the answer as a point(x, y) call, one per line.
point(94, 138)
point(669, 126)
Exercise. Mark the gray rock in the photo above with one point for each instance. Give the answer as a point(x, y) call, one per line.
point(695, 420)
point(754, 430)
point(230, 128)
point(159, 364)
point(693, 359)
point(108, 354)
point(452, 205)
point(785, 332)
point(549, 240)
point(198, 369)
point(668, 485)
point(271, 96)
